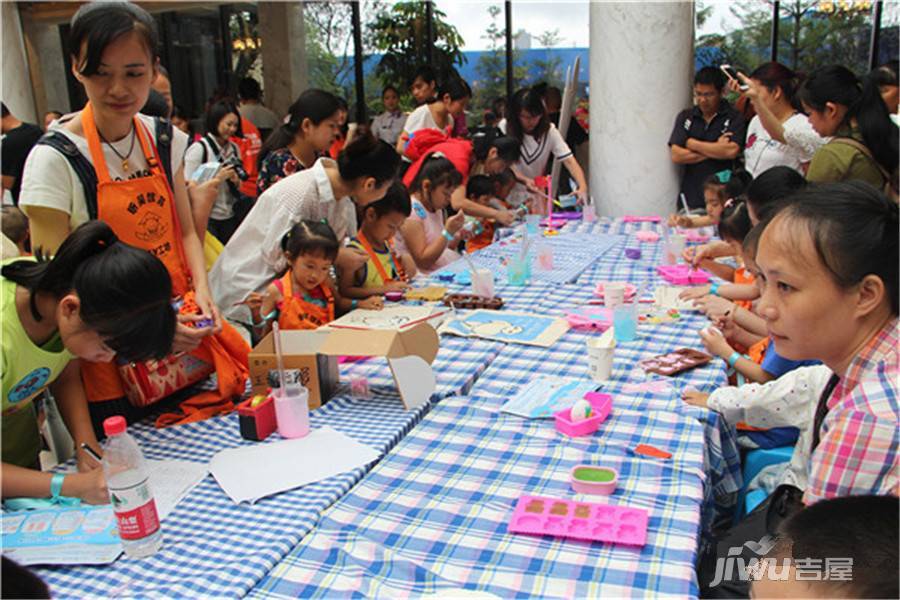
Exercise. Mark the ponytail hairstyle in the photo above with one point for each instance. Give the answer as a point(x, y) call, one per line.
point(734, 224)
point(508, 147)
point(456, 88)
point(366, 156)
point(125, 292)
point(839, 85)
point(313, 104)
point(310, 237)
point(530, 101)
point(737, 183)
point(438, 170)
point(96, 25)
point(766, 193)
point(774, 75)
point(854, 229)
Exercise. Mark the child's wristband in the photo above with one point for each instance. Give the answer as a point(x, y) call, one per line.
point(714, 288)
point(56, 484)
point(447, 235)
point(354, 304)
point(732, 360)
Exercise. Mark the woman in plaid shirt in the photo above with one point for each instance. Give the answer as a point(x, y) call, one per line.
point(829, 281)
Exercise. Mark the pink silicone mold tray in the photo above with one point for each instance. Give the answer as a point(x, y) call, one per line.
point(641, 219)
point(590, 521)
point(682, 275)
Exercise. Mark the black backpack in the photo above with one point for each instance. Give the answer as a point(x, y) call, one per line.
point(85, 170)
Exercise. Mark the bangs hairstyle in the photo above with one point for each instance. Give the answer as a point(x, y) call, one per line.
point(438, 171)
point(367, 156)
point(311, 237)
point(396, 200)
point(530, 101)
point(219, 111)
point(98, 24)
point(854, 229)
point(735, 221)
point(125, 292)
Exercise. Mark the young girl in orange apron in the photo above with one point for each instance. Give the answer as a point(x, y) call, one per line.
point(141, 212)
point(295, 312)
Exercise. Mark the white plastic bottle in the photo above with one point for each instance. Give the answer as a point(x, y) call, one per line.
point(129, 492)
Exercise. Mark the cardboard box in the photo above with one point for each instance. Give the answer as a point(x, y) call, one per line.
point(409, 351)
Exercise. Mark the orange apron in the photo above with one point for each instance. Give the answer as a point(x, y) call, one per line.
point(757, 352)
point(398, 266)
point(742, 275)
point(296, 313)
point(142, 213)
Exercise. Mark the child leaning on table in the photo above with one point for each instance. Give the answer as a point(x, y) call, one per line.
point(304, 297)
point(717, 189)
point(385, 270)
point(480, 189)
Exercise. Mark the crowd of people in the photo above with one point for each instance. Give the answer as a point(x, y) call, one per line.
point(142, 240)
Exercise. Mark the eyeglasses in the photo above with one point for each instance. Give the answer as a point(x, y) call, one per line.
point(706, 95)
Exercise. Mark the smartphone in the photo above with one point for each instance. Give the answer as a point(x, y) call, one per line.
point(732, 74)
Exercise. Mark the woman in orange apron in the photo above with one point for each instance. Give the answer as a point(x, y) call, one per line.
point(135, 197)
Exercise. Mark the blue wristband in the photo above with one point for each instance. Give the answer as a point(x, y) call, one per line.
point(56, 483)
point(714, 288)
point(354, 304)
point(447, 235)
point(732, 360)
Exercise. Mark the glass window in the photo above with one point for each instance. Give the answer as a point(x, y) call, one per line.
point(817, 33)
point(888, 42)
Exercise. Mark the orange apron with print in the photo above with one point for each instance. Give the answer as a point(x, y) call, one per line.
point(296, 313)
point(398, 266)
point(742, 275)
point(142, 213)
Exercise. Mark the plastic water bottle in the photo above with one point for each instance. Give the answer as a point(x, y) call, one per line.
point(129, 491)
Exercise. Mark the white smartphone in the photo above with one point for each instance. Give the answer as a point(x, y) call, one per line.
point(732, 74)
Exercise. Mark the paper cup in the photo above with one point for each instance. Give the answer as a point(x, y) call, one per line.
point(483, 283)
point(613, 294)
point(600, 360)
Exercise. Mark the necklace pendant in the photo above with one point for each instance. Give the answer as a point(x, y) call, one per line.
point(125, 166)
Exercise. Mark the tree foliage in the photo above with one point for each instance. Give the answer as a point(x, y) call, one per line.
point(491, 65)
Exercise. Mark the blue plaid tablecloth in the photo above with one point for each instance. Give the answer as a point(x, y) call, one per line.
point(213, 547)
point(432, 516)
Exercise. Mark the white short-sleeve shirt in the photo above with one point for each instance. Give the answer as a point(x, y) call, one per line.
point(761, 152)
point(421, 118)
point(223, 208)
point(535, 153)
point(252, 257)
point(50, 182)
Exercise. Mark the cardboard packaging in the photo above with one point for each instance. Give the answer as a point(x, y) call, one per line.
point(409, 352)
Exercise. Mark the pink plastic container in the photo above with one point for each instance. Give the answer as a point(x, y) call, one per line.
point(683, 275)
point(590, 521)
point(642, 219)
point(694, 236)
point(601, 405)
point(647, 236)
point(393, 296)
point(590, 479)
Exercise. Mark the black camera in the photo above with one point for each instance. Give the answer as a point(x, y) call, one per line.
point(235, 162)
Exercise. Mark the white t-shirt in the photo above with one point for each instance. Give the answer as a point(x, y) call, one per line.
point(259, 115)
point(223, 208)
point(421, 118)
point(50, 182)
point(535, 153)
point(388, 126)
point(253, 257)
point(761, 152)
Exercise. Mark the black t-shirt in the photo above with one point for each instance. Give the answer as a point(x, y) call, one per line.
point(14, 150)
point(691, 124)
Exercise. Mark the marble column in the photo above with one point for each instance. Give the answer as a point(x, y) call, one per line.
point(17, 92)
point(641, 64)
point(283, 53)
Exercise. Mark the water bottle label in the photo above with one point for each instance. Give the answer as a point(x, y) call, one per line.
point(135, 511)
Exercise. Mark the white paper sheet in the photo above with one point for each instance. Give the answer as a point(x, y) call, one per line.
point(172, 480)
point(249, 473)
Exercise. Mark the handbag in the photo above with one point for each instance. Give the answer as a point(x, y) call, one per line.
point(150, 381)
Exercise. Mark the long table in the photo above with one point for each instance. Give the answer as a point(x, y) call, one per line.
point(213, 547)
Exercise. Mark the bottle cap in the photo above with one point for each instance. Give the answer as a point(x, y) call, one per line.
point(114, 426)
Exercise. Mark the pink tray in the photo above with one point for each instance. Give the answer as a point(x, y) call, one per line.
point(682, 275)
point(592, 318)
point(591, 521)
point(560, 219)
point(640, 219)
point(601, 405)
